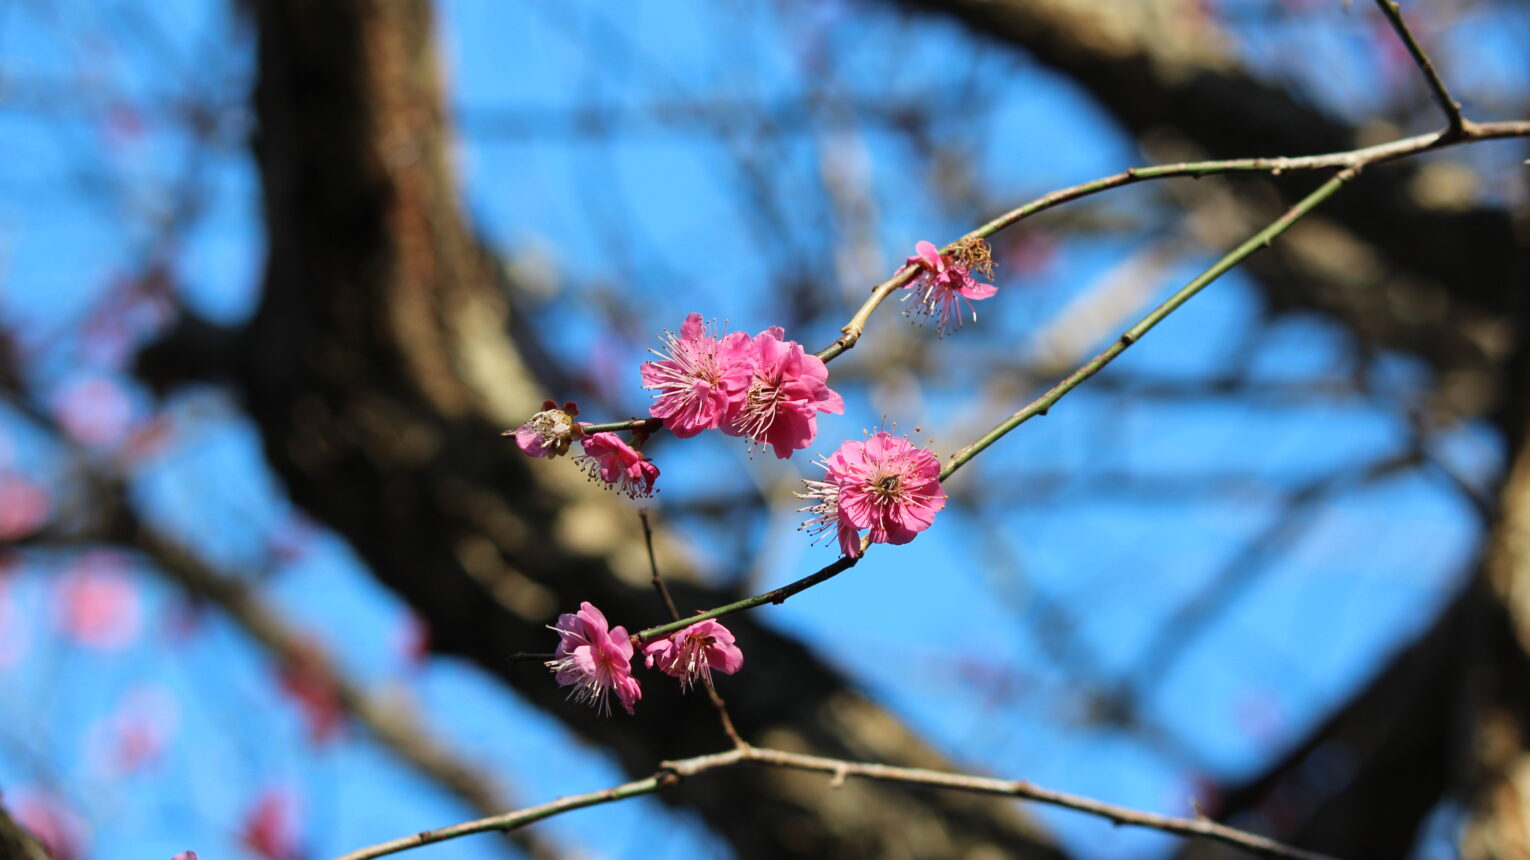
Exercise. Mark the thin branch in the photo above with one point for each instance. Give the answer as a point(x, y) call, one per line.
point(777, 596)
point(647, 424)
point(674, 613)
point(1041, 404)
point(1353, 158)
point(653, 565)
point(514, 820)
point(1352, 162)
point(1458, 124)
point(672, 772)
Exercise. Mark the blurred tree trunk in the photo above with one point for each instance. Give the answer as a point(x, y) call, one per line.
point(380, 373)
point(1446, 719)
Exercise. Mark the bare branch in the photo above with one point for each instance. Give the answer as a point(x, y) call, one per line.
point(674, 614)
point(1349, 159)
point(672, 772)
point(1451, 107)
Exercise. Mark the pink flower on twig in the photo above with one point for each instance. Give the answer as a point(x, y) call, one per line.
point(945, 281)
point(693, 653)
point(698, 378)
point(549, 432)
point(611, 460)
point(825, 513)
point(885, 484)
point(96, 602)
point(54, 824)
point(594, 660)
point(787, 389)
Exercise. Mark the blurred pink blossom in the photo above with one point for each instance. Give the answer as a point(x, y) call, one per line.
point(135, 734)
point(306, 680)
point(24, 507)
point(96, 602)
point(271, 826)
point(413, 639)
point(691, 654)
point(94, 410)
point(48, 818)
point(594, 660)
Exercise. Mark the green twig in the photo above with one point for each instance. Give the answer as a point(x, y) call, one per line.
point(1041, 404)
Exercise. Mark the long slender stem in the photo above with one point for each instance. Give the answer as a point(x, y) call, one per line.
point(1367, 155)
point(778, 595)
point(674, 614)
point(1450, 106)
point(1041, 404)
point(513, 820)
point(649, 424)
point(672, 772)
point(1351, 162)
point(653, 567)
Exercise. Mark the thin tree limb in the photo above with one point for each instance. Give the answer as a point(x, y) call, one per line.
point(672, 772)
point(1458, 124)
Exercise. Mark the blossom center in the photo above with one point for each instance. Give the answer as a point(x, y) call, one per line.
point(760, 407)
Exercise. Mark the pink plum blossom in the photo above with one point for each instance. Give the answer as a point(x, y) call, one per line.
point(134, 735)
point(594, 659)
point(271, 826)
point(825, 513)
point(699, 378)
point(611, 460)
point(94, 410)
point(24, 507)
point(96, 602)
point(51, 821)
point(885, 484)
point(185, 855)
point(305, 677)
point(787, 389)
point(944, 282)
point(693, 653)
point(549, 432)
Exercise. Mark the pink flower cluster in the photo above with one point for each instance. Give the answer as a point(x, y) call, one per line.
point(944, 282)
point(770, 391)
point(885, 484)
point(766, 389)
point(596, 659)
point(606, 457)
